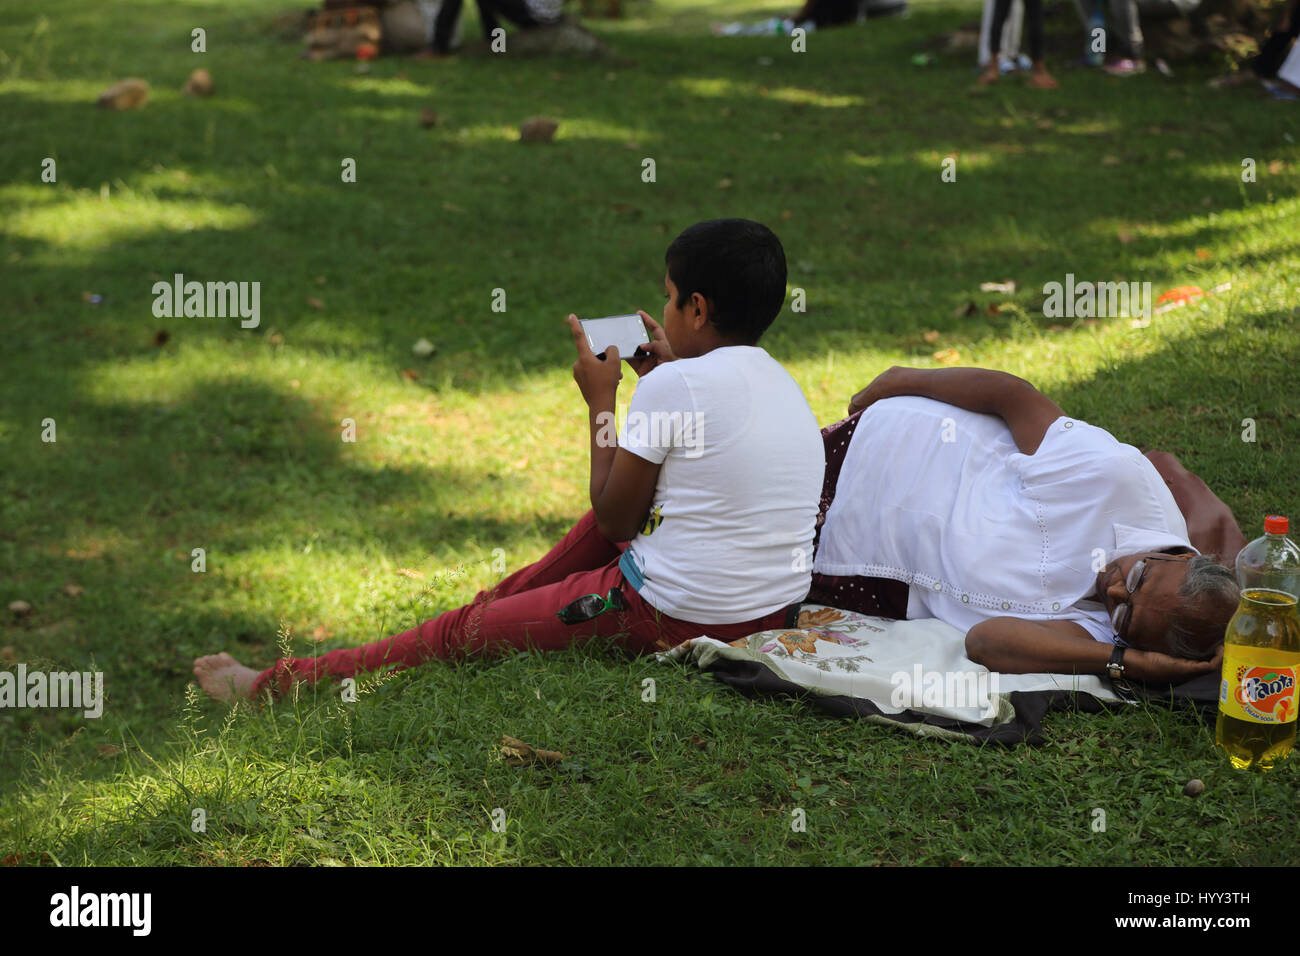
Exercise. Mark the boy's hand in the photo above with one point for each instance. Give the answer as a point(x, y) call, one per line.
point(657, 349)
point(597, 375)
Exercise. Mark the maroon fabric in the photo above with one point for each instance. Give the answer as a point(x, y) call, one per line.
point(519, 613)
point(882, 597)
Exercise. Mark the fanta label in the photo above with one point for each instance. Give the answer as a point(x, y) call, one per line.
point(1255, 688)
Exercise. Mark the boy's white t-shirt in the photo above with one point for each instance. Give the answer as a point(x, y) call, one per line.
point(730, 532)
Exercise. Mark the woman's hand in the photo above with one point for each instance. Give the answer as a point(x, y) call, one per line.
point(657, 350)
point(1154, 667)
point(597, 375)
point(887, 384)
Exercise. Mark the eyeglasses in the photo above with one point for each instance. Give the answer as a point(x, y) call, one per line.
point(591, 605)
point(1122, 615)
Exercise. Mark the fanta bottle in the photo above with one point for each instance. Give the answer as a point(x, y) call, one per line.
point(1261, 653)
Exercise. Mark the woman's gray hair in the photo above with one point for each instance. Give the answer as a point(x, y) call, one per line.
point(1208, 597)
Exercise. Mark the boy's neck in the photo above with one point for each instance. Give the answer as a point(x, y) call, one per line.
point(714, 342)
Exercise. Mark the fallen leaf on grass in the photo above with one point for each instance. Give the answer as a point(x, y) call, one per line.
point(20, 608)
point(319, 633)
point(8, 654)
point(408, 573)
point(947, 356)
point(108, 750)
point(1125, 237)
point(1007, 287)
point(538, 129)
point(73, 590)
point(198, 84)
point(518, 753)
point(315, 303)
point(124, 95)
point(1202, 254)
point(1275, 166)
point(931, 336)
point(410, 374)
point(1182, 293)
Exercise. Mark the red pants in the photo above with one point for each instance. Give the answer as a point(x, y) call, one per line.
point(520, 613)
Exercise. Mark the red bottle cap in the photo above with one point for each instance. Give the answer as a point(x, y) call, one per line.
point(1276, 524)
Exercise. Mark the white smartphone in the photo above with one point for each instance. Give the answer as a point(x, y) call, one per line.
point(628, 332)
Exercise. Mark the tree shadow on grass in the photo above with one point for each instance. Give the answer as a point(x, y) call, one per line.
point(572, 226)
point(1151, 401)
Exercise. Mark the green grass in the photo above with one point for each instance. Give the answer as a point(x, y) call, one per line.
point(229, 440)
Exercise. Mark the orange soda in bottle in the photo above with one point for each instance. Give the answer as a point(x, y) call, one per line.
point(1261, 653)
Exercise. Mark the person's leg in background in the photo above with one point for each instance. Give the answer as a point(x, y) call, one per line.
point(517, 12)
point(444, 26)
point(487, 17)
point(991, 72)
point(1039, 78)
point(1275, 48)
point(1124, 39)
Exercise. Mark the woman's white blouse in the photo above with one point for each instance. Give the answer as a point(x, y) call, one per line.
point(940, 498)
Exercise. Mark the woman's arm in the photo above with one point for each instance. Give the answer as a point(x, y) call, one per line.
point(1027, 411)
point(1211, 527)
point(1012, 645)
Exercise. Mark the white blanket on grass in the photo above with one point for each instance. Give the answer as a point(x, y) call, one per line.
point(918, 665)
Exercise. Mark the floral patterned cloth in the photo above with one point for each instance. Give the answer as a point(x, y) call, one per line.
point(911, 674)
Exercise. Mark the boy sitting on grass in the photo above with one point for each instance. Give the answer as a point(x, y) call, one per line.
point(702, 513)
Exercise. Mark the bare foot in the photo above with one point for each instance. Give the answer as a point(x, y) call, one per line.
point(223, 677)
point(990, 74)
point(1040, 79)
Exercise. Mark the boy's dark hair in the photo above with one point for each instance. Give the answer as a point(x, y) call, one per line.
point(738, 266)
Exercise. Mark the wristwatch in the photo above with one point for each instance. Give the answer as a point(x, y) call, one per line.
point(1115, 667)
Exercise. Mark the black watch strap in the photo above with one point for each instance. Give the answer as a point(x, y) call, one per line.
point(1115, 668)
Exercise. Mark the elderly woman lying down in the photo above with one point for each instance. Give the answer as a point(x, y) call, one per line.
point(968, 496)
